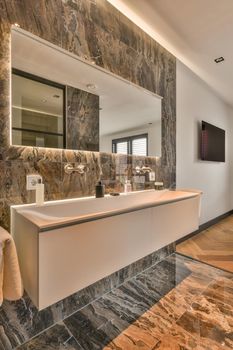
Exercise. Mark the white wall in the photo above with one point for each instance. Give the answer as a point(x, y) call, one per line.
point(196, 102)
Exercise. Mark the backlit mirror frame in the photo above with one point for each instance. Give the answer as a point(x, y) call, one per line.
point(26, 34)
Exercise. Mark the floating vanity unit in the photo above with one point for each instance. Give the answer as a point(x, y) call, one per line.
point(66, 245)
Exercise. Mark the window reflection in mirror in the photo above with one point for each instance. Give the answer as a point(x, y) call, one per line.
point(135, 145)
point(37, 111)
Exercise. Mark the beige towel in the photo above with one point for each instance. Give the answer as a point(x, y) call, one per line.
point(11, 287)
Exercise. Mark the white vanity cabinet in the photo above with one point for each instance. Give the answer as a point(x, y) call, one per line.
point(61, 253)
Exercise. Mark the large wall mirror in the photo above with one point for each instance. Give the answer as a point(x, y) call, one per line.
point(61, 101)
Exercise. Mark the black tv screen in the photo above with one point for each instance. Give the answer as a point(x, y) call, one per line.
point(212, 143)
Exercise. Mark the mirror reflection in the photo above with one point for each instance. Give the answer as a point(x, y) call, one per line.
point(60, 101)
point(37, 112)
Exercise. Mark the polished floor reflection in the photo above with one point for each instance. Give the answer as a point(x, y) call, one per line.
point(213, 246)
point(177, 304)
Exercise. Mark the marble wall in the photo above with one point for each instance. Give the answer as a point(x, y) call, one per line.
point(82, 120)
point(96, 31)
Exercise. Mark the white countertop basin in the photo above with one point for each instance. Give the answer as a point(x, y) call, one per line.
point(73, 211)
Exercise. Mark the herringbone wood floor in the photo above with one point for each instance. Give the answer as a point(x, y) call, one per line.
point(213, 246)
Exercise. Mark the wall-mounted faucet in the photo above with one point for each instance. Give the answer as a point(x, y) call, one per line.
point(80, 169)
point(143, 169)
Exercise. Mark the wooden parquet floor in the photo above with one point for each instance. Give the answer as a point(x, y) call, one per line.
point(213, 246)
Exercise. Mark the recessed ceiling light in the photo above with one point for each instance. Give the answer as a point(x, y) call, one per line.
point(219, 59)
point(91, 86)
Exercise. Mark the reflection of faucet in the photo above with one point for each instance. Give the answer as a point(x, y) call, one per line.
point(143, 169)
point(80, 169)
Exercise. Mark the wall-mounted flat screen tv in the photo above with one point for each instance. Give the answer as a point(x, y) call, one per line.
point(212, 143)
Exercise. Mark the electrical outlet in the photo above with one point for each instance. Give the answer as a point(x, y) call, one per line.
point(32, 180)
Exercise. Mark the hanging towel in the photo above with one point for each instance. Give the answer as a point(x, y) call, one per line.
point(11, 287)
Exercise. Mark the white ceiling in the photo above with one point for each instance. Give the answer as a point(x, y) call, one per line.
point(195, 31)
point(124, 106)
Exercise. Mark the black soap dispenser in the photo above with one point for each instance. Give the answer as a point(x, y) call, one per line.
point(99, 190)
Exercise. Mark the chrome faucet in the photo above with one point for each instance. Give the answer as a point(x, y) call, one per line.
point(80, 169)
point(143, 169)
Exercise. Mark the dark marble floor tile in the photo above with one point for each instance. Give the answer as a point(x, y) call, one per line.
point(122, 303)
point(107, 317)
point(5, 343)
point(179, 299)
point(161, 278)
point(129, 308)
point(141, 265)
point(163, 253)
point(57, 337)
point(95, 325)
point(21, 320)
point(158, 324)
